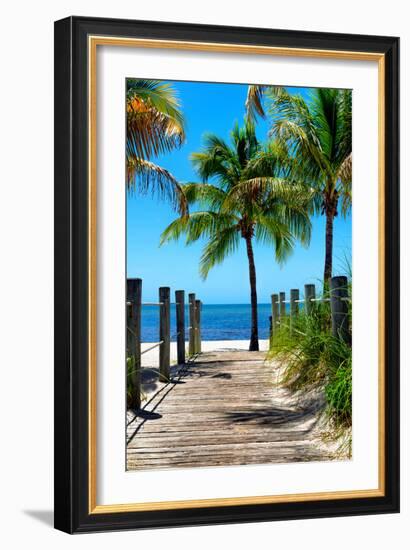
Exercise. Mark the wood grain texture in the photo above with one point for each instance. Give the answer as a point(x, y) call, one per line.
point(224, 408)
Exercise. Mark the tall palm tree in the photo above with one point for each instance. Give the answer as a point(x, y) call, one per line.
point(249, 198)
point(155, 125)
point(318, 133)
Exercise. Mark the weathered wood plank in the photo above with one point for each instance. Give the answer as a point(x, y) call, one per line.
point(224, 409)
point(165, 443)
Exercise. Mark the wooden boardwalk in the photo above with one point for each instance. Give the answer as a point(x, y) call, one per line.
point(222, 409)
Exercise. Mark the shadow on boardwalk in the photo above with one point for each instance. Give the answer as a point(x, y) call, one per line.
point(223, 409)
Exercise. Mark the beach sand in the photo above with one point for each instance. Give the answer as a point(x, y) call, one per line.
point(151, 358)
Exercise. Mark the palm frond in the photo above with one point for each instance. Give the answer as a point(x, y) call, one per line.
point(323, 107)
point(273, 159)
point(344, 128)
point(308, 154)
point(294, 124)
point(150, 133)
point(317, 131)
point(296, 219)
point(345, 184)
point(254, 102)
point(205, 195)
point(145, 177)
point(155, 123)
point(270, 230)
point(345, 170)
point(162, 96)
point(213, 165)
point(265, 192)
point(222, 245)
point(197, 225)
point(174, 230)
point(245, 143)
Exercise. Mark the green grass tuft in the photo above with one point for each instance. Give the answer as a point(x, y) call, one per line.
point(313, 358)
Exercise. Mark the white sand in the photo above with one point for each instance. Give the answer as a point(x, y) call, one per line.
point(151, 358)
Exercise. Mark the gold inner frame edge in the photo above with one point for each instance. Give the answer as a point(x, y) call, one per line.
point(93, 42)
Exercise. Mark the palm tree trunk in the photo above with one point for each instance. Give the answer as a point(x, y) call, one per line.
point(254, 341)
point(329, 246)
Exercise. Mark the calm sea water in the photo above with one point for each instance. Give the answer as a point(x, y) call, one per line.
point(218, 322)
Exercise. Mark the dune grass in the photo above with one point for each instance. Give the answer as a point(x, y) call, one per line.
point(313, 358)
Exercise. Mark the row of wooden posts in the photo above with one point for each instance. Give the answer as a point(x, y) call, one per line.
point(339, 307)
point(134, 309)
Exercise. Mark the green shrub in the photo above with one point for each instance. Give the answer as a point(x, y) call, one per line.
point(338, 392)
point(313, 358)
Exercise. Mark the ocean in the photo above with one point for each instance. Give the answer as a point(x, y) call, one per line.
point(218, 322)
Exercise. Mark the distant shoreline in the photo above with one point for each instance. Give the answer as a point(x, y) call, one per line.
point(208, 304)
point(219, 322)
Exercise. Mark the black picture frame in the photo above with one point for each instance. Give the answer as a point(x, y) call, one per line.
point(72, 513)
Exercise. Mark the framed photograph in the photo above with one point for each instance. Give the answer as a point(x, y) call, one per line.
point(226, 274)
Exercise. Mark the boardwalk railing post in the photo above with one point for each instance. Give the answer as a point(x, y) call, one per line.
point(191, 349)
point(282, 306)
point(134, 293)
point(339, 307)
point(294, 306)
point(164, 334)
point(197, 326)
point(180, 315)
point(275, 312)
point(310, 294)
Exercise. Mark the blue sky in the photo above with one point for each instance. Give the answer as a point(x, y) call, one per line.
point(214, 108)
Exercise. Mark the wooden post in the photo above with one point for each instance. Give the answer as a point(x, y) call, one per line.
point(134, 293)
point(310, 293)
point(164, 334)
point(294, 305)
point(339, 307)
point(282, 306)
point(191, 349)
point(180, 315)
point(275, 312)
point(197, 326)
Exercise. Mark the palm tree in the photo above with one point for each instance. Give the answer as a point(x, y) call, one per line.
point(249, 198)
point(155, 125)
point(318, 133)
